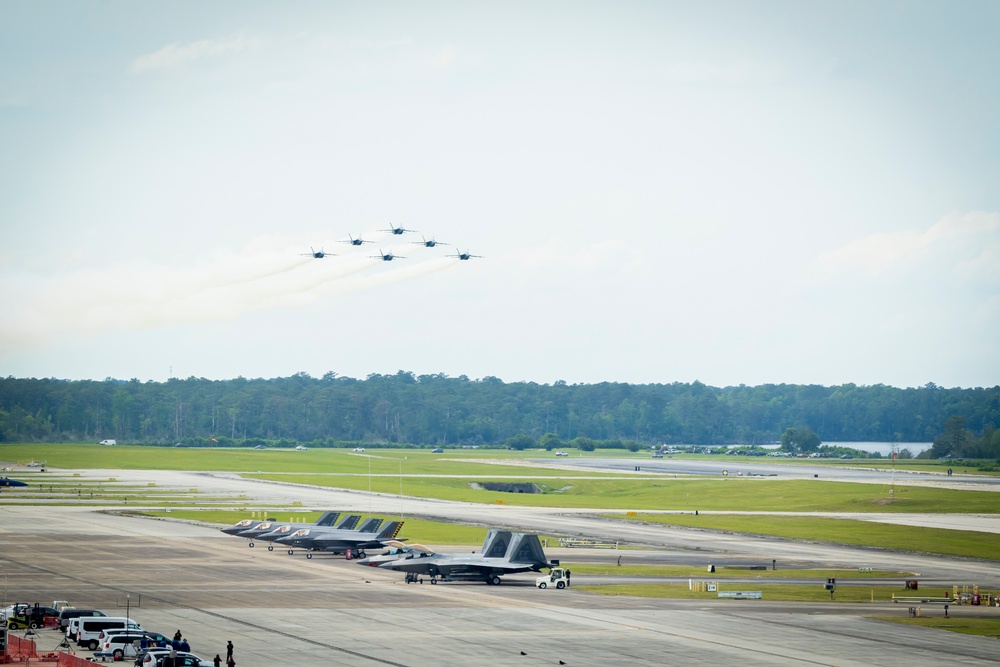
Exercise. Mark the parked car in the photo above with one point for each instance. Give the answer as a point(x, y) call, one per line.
point(121, 644)
point(154, 658)
point(67, 615)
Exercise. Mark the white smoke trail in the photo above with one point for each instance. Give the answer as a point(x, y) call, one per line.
point(124, 298)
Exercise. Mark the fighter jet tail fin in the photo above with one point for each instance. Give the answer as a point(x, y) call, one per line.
point(328, 519)
point(527, 549)
point(370, 526)
point(391, 530)
point(496, 543)
point(350, 522)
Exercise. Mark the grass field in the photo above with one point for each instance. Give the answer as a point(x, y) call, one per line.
point(783, 593)
point(985, 627)
point(453, 476)
point(968, 543)
point(722, 573)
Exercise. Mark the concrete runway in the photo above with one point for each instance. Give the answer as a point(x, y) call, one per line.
point(286, 610)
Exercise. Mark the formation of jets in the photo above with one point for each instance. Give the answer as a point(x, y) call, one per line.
point(503, 552)
point(388, 256)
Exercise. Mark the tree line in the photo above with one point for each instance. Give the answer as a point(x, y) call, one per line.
point(404, 408)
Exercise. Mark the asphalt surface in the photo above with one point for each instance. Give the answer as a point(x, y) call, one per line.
point(286, 610)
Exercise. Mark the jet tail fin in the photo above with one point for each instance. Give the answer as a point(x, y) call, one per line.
point(328, 519)
point(526, 548)
point(370, 526)
point(350, 522)
point(391, 530)
point(496, 543)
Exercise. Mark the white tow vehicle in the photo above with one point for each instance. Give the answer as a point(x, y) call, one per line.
point(557, 578)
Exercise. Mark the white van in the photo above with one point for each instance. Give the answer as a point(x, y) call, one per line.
point(108, 442)
point(90, 629)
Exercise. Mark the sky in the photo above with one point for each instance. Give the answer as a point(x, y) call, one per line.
point(730, 192)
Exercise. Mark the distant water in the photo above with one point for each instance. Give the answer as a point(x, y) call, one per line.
point(883, 448)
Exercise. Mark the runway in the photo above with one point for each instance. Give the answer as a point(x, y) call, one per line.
point(282, 610)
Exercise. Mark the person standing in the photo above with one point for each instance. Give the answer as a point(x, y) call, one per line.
point(229, 652)
point(567, 578)
point(217, 661)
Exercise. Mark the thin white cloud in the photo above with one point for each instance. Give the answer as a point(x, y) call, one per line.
point(445, 57)
point(178, 55)
point(966, 246)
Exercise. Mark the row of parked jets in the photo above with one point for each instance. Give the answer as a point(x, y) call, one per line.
point(389, 256)
point(503, 552)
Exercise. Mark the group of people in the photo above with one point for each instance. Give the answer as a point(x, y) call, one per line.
point(230, 662)
point(179, 644)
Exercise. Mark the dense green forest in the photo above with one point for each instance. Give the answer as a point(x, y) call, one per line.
point(441, 410)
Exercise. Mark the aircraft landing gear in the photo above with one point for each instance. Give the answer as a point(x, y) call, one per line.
point(309, 556)
point(250, 545)
point(270, 547)
point(494, 580)
point(290, 552)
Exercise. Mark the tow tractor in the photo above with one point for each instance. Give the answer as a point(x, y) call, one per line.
point(556, 577)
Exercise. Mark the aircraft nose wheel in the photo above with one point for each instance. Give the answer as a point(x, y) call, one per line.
point(309, 556)
point(290, 552)
point(250, 545)
point(270, 547)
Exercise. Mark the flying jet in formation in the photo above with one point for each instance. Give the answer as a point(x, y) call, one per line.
point(316, 254)
point(428, 244)
point(7, 482)
point(356, 241)
point(464, 255)
point(503, 553)
point(337, 541)
point(397, 230)
point(386, 256)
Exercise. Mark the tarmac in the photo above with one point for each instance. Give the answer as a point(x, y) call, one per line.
point(286, 610)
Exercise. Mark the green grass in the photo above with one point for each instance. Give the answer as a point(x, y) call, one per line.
point(776, 592)
point(984, 627)
point(668, 493)
point(700, 572)
point(967, 543)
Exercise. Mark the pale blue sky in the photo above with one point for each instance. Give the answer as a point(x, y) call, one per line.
point(735, 192)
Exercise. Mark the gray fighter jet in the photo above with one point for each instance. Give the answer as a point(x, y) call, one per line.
point(252, 528)
point(287, 529)
point(503, 553)
point(395, 550)
point(350, 542)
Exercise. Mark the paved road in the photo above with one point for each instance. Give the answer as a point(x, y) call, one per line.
point(289, 611)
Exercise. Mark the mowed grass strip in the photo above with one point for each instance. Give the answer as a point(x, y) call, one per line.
point(699, 572)
point(668, 493)
point(984, 627)
point(968, 543)
point(232, 459)
point(774, 592)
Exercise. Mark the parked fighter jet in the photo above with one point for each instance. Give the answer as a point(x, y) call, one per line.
point(287, 529)
point(251, 528)
point(350, 542)
point(395, 551)
point(503, 553)
point(8, 482)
